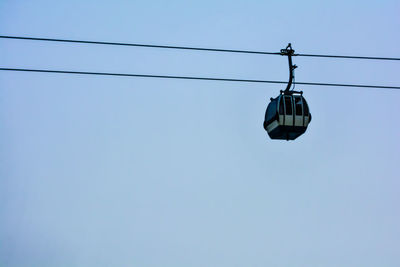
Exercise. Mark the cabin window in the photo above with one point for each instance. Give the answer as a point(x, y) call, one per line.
point(299, 108)
point(281, 107)
point(306, 110)
point(288, 105)
point(271, 111)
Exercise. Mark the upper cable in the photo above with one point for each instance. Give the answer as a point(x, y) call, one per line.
point(193, 48)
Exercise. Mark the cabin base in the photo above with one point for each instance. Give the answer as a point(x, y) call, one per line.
point(286, 132)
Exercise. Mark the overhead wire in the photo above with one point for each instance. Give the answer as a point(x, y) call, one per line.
point(349, 57)
point(140, 45)
point(196, 78)
point(193, 48)
point(189, 77)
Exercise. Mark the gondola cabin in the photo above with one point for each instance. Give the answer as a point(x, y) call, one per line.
point(287, 116)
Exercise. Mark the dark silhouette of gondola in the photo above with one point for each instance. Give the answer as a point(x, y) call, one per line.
point(288, 115)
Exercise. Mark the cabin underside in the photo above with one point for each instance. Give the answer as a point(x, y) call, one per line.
point(281, 132)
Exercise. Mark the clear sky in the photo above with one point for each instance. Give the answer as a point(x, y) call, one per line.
point(113, 171)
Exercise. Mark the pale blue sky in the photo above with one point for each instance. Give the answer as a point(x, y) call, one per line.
point(112, 171)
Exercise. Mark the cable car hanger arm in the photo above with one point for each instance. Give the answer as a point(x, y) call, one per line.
point(288, 51)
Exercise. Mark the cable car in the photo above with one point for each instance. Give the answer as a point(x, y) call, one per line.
point(288, 115)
